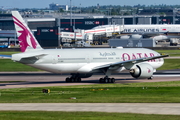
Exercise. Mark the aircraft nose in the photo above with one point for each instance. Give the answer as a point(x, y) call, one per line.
point(161, 61)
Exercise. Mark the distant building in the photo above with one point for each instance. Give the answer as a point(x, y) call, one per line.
point(98, 6)
point(156, 12)
point(57, 7)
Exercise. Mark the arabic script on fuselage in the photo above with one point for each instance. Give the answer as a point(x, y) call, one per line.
point(107, 54)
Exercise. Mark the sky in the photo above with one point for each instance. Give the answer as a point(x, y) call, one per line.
point(83, 3)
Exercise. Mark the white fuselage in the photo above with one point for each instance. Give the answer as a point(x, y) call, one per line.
point(84, 60)
point(162, 28)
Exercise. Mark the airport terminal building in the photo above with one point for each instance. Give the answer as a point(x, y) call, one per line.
point(69, 22)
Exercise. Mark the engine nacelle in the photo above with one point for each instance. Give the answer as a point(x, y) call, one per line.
point(161, 37)
point(142, 70)
point(125, 37)
point(136, 36)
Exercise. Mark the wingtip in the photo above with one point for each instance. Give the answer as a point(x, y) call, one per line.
point(166, 55)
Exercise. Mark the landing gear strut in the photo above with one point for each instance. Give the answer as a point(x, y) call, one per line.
point(106, 80)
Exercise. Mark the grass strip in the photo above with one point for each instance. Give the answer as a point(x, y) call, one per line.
point(8, 53)
point(158, 92)
point(170, 64)
point(172, 53)
point(49, 115)
point(7, 65)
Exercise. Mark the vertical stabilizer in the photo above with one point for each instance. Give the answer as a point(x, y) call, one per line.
point(26, 39)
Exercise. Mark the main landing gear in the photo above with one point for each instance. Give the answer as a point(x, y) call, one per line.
point(150, 78)
point(106, 80)
point(73, 79)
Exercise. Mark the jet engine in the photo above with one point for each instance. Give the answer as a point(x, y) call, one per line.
point(142, 70)
point(161, 37)
point(133, 36)
point(125, 37)
point(136, 36)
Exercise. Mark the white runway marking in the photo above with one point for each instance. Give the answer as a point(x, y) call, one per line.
point(167, 75)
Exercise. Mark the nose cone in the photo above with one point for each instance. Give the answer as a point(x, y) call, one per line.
point(160, 63)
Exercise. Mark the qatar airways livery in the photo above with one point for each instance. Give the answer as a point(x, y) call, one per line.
point(82, 63)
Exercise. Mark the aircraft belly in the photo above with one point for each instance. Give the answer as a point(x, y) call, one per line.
point(90, 66)
point(59, 68)
point(69, 67)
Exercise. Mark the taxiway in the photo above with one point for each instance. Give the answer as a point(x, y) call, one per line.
point(41, 79)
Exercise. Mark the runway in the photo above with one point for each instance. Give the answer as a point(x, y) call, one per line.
point(41, 79)
point(143, 108)
point(48, 79)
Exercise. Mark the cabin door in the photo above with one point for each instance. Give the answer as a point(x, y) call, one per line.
point(54, 59)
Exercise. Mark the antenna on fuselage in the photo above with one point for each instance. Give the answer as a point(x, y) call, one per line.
point(60, 46)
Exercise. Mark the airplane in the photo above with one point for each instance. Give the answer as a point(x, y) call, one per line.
point(160, 28)
point(144, 28)
point(158, 32)
point(84, 62)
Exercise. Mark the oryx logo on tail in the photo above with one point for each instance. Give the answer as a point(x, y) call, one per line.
point(25, 37)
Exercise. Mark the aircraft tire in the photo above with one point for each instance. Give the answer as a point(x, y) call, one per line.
point(75, 79)
point(67, 79)
point(106, 80)
point(112, 80)
point(150, 78)
point(78, 79)
point(71, 79)
point(109, 80)
point(101, 80)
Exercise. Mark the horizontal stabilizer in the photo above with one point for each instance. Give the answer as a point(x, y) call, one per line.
point(18, 57)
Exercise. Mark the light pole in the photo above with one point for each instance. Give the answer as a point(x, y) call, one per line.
point(80, 8)
point(71, 14)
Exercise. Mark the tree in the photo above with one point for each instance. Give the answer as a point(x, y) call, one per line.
point(61, 10)
point(93, 10)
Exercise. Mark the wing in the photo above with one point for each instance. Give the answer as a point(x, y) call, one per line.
point(21, 56)
point(128, 63)
point(5, 56)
